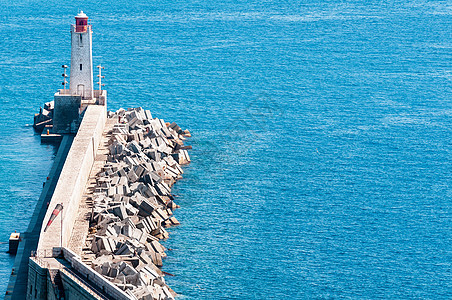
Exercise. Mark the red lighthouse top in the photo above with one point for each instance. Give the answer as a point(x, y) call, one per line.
point(81, 22)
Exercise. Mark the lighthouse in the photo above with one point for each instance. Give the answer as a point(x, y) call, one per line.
point(71, 103)
point(81, 75)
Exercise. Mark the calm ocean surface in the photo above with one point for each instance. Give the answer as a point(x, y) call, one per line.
point(321, 136)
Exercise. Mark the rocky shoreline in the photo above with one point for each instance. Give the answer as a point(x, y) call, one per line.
point(133, 204)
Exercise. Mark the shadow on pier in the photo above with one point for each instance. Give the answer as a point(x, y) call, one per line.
point(17, 287)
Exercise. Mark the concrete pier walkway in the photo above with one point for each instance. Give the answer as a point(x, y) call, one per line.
point(81, 225)
point(17, 287)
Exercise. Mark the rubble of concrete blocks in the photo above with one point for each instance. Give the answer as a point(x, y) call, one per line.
point(133, 203)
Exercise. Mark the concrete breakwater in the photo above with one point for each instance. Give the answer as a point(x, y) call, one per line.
point(108, 209)
point(114, 192)
point(132, 203)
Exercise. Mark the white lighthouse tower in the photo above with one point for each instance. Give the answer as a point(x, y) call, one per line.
point(70, 103)
point(81, 76)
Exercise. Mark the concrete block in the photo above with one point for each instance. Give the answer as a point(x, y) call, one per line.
point(132, 279)
point(135, 244)
point(141, 226)
point(179, 169)
point(113, 272)
point(134, 186)
point(136, 199)
point(165, 149)
point(132, 176)
point(136, 234)
point(148, 115)
point(165, 234)
point(146, 207)
point(134, 146)
point(147, 179)
point(111, 243)
point(122, 265)
point(128, 160)
point(119, 191)
point(94, 247)
point(149, 224)
point(155, 124)
point(134, 122)
point(162, 165)
point(155, 176)
point(142, 113)
point(161, 214)
point(165, 186)
point(170, 161)
point(145, 259)
point(155, 257)
point(128, 270)
point(122, 173)
point(125, 190)
point(154, 144)
point(137, 158)
point(166, 292)
point(139, 170)
point(162, 122)
point(168, 211)
point(98, 269)
point(111, 231)
point(178, 157)
point(172, 205)
point(171, 172)
point(120, 211)
point(102, 244)
point(166, 132)
point(161, 189)
point(143, 237)
point(161, 141)
point(111, 191)
point(149, 192)
point(154, 155)
point(105, 269)
point(157, 247)
point(158, 260)
point(187, 157)
point(140, 135)
point(145, 143)
point(133, 115)
point(123, 180)
point(131, 211)
point(127, 230)
point(124, 250)
point(174, 221)
point(114, 180)
point(175, 127)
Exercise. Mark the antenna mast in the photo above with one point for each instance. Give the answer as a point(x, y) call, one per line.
point(64, 77)
point(100, 79)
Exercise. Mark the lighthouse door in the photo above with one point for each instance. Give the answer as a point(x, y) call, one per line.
point(81, 90)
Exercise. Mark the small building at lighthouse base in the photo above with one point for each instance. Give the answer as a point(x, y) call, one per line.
point(69, 109)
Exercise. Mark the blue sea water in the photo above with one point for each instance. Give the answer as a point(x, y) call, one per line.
point(321, 161)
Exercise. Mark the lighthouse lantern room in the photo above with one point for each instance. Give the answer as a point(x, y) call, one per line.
point(81, 22)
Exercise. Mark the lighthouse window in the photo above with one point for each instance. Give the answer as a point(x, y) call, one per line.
point(80, 67)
